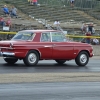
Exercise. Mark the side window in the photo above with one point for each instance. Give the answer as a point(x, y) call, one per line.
point(58, 37)
point(45, 37)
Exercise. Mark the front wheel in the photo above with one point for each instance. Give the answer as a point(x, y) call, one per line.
point(82, 59)
point(31, 58)
point(11, 60)
point(60, 61)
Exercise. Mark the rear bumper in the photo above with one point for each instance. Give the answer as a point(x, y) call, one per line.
point(7, 54)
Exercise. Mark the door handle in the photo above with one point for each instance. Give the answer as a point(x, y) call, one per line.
point(47, 46)
point(54, 45)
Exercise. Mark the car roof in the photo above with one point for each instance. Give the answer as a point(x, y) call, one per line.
point(39, 30)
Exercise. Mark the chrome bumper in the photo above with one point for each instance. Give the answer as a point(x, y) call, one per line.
point(7, 54)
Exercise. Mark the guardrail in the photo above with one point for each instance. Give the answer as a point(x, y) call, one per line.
point(77, 36)
point(69, 36)
point(7, 32)
point(6, 35)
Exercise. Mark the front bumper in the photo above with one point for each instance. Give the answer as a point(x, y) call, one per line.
point(91, 54)
point(7, 54)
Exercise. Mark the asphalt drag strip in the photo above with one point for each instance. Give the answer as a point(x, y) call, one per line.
point(49, 77)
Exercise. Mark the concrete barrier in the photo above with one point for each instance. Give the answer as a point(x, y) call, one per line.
point(96, 50)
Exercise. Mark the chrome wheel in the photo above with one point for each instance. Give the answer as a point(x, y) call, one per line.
point(32, 58)
point(83, 58)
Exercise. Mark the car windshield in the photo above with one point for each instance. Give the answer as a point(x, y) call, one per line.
point(23, 36)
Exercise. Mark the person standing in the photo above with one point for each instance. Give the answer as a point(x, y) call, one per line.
point(57, 24)
point(72, 3)
point(88, 39)
point(91, 28)
point(2, 21)
point(84, 28)
point(34, 2)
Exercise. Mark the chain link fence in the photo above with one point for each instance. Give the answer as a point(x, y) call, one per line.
point(78, 3)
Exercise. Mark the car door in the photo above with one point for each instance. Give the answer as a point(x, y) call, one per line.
point(46, 46)
point(61, 48)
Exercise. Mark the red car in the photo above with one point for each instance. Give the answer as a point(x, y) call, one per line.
point(34, 45)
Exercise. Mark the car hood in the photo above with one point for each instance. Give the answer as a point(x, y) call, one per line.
point(80, 44)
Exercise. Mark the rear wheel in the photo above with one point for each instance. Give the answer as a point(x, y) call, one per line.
point(60, 61)
point(82, 58)
point(11, 60)
point(31, 58)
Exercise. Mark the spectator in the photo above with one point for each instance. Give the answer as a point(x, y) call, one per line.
point(88, 39)
point(84, 28)
point(91, 28)
point(6, 10)
point(57, 24)
point(9, 22)
point(72, 3)
point(2, 21)
point(95, 41)
point(30, 1)
point(13, 12)
point(34, 2)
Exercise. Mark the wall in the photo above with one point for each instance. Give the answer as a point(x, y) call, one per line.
point(96, 50)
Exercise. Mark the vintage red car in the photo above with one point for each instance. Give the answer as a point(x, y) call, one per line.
point(34, 45)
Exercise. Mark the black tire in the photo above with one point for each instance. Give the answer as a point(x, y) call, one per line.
point(60, 61)
point(31, 58)
point(82, 59)
point(11, 60)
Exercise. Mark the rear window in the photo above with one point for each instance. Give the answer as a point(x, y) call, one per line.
point(24, 36)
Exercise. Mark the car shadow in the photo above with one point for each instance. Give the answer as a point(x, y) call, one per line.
point(41, 68)
point(44, 66)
